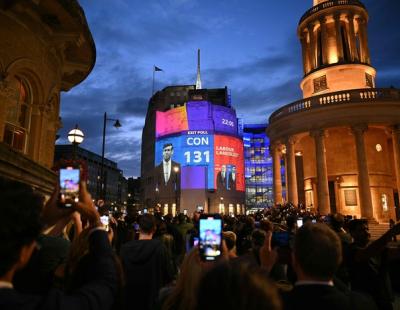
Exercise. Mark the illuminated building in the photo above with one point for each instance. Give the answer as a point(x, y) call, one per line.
point(46, 47)
point(114, 182)
point(346, 130)
point(199, 128)
point(258, 167)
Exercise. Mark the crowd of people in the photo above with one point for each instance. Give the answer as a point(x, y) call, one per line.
point(285, 257)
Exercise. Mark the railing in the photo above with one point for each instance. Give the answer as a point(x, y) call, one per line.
point(329, 4)
point(337, 98)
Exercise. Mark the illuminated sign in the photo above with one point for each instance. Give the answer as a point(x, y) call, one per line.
point(196, 116)
point(200, 141)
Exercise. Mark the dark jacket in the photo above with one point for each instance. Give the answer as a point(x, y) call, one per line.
point(97, 293)
point(169, 189)
point(147, 269)
point(314, 296)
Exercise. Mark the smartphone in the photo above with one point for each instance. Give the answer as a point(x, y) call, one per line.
point(144, 211)
point(184, 211)
point(210, 236)
point(280, 239)
point(69, 178)
point(299, 222)
point(105, 220)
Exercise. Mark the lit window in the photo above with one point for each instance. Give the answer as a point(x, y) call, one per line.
point(18, 116)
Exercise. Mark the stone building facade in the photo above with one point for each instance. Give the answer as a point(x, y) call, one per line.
point(46, 47)
point(346, 130)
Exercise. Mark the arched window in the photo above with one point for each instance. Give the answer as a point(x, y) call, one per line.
point(18, 116)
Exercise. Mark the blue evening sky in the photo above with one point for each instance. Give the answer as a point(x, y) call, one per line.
point(250, 46)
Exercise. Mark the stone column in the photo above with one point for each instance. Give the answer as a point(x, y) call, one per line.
point(322, 173)
point(363, 175)
point(276, 159)
point(339, 42)
point(352, 38)
point(313, 62)
point(286, 178)
point(324, 41)
point(291, 187)
point(396, 153)
point(362, 33)
point(304, 49)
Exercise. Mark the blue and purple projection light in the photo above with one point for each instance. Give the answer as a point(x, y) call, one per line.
point(192, 129)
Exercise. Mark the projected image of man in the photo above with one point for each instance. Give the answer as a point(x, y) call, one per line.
point(232, 179)
point(221, 178)
point(168, 173)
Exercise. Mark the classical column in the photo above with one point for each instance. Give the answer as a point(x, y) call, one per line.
point(352, 38)
point(312, 46)
point(291, 187)
point(304, 49)
point(276, 159)
point(339, 42)
point(363, 175)
point(322, 173)
point(324, 41)
point(362, 34)
point(396, 153)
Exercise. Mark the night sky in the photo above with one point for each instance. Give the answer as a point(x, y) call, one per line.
point(248, 45)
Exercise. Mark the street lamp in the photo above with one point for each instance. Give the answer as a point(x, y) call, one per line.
point(75, 136)
point(221, 205)
point(117, 124)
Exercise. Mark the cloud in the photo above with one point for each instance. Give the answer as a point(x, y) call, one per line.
point(251, 47)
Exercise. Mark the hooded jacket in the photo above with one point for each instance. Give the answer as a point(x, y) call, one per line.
point(147, 269)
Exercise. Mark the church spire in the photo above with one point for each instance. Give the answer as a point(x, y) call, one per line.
point(198, 79)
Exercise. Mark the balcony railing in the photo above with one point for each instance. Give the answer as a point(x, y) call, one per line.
point(337, 98)
point(329, 4)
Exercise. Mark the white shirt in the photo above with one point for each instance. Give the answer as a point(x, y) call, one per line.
point(167, 170)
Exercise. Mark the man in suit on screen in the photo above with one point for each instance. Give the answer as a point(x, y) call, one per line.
point(168, 174)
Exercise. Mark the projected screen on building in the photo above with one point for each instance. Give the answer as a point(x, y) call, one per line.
point(198, 149)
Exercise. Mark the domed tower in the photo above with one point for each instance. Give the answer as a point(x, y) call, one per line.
point(334, 42)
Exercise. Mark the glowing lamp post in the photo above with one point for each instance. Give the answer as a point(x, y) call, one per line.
point(75, 136)
point(117, 125)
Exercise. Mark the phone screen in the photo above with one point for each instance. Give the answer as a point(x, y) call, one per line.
point(105, 220)
point(299, 223)
point(210, 237)
point(69, 186)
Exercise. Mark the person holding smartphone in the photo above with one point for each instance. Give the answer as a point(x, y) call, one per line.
point(22, 207)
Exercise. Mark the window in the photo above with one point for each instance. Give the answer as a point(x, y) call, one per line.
point(18, 116)
point(320, 84)
point(350, 197)
point(369, 80)
point(384, 200)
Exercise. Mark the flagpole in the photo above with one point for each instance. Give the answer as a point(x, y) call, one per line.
point(152, 90)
